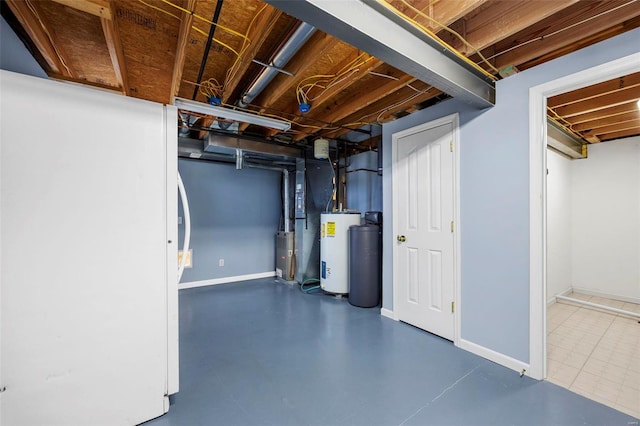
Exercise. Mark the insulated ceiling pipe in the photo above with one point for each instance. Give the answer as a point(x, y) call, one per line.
point(295, 42)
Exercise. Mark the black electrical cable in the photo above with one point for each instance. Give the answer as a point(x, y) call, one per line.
point(207, 48)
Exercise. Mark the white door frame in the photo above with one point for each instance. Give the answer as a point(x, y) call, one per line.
point(538, 195)
point(454, 120)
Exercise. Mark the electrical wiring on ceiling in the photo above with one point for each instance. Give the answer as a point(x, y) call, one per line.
point(246, 43)
point(193, 27)
point(563, 123)
point(327, 81)
point(439, 40)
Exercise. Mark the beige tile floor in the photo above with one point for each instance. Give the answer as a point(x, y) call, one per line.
point(595, 353)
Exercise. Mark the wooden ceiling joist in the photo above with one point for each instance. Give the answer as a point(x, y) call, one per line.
point(112, 37)
point(39, 34)
point(181, 48)
point(563, 29)
point(595, 90)
point(258, 34)
point(99, 8)
point(501, 20)
point(613, 128)
point(620, 134)
point(593, 104)
point(603, 122)
point(604, 113)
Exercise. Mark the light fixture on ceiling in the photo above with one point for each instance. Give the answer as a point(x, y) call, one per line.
point(231, 114)
point(638, 103)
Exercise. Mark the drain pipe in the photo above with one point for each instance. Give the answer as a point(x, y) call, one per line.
point(280, 59)
point(285, 191)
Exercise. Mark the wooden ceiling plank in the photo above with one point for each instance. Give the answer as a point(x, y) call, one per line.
point(546, 44)
point(600, 89)
point(502, 20)
point(588, 125)
point(603, 113)
point(593, 104)
point(617, 127)
point(258, 34)
point(99, 8)
point(181, 48)
point(116, 52)
point(619, 135)
point(39, 35)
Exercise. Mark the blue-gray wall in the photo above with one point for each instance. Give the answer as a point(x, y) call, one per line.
point(14, 56)
point(235, 215)
point(494, 192)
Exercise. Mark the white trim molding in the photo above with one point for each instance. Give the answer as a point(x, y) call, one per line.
point(497, 357)
point(388, 313)
point(537, 193)
point(225, 280)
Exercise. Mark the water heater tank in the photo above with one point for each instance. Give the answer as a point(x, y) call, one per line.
point(334, 250)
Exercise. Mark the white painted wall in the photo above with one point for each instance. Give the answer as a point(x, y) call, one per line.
point(559, 220)
point(606, 219)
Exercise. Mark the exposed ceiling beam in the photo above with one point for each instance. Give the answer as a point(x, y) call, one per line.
point(36, 30)
point(181, 48)
point(611, 99)
point(558, 31)
point(99, 8)
point(620, 134)
point(589, 125)
point(501, 20)
point(595, 90)
point(617, 127)
point(116, 52)
point(257, 34)
point(563, 141)
point(603, 113)
point(394, 41)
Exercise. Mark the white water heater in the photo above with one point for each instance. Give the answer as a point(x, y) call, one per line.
point(334, 250)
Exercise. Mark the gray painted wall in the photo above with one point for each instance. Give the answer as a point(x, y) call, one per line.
point(14, 56)
point(494, 185)
point(235, 215)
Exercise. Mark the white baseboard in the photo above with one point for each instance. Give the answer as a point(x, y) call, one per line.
point(552, 299)
point(203, 283)
point(494, 356)
point(387, 313)
point(607, 295)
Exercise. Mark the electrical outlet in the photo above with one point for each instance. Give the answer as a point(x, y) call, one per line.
point(179, 220)
point(221, 262)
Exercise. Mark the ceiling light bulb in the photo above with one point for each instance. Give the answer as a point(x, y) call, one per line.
point(638, 103)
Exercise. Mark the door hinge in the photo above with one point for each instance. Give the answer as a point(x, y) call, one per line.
point(452, 226)
point(451, 146)
point(453, 307)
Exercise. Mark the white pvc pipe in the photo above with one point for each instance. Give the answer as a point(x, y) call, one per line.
point(599, 306)
point(187, 226)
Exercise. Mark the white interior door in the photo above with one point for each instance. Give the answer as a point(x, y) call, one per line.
point(83, 255)
point(424, 224)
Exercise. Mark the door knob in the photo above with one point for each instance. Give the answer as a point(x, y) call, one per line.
point(401, 238)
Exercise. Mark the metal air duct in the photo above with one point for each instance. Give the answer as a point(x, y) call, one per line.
point(280, 59)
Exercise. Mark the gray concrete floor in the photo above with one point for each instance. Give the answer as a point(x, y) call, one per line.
point(263, 353)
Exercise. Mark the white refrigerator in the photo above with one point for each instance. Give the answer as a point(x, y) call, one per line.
point(88, 255)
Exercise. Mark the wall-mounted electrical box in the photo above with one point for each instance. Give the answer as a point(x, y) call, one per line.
point(300, 202)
